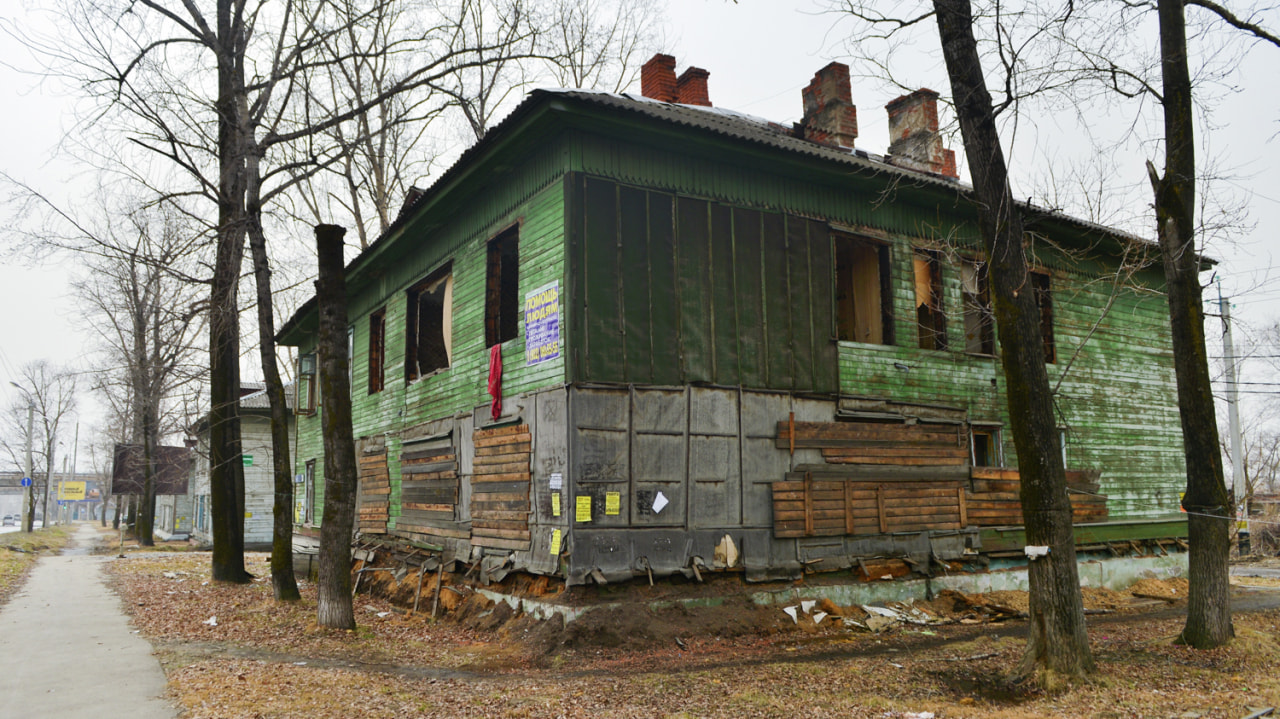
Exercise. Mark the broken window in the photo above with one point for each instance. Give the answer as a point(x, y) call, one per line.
point(979, 322)
point(429, 320)
point(1044, 302)
point(930, 319)
point(502, 288)
point(984, 447)
point(377, 349)
point(864, 308)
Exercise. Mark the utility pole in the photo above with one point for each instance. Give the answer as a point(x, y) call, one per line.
point(1238, 488)
point(28, 498)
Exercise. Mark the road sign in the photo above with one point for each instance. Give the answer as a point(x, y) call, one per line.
point(26, 481)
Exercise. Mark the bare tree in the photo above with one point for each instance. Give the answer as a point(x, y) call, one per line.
point(147, 316)
point(51, 391)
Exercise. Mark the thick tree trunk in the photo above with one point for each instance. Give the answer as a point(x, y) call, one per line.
point(284, 583)
point(1207, 501)
point(1056, 640)
point(226, 470)
point(144, 530)
point(334, 601)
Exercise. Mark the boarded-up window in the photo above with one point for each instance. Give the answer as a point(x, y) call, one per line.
point(377, 349)
point(502, 288)
point(1044, 302)
point(863, 304)
point(979, 322)
point(500, 488)
point(429, 331)
point(429, 488)
point(930, 318)
point(374, 490)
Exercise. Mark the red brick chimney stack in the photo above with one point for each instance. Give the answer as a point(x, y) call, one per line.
point(914, 141)
point(658, 78)
point(691, 87)
point(829, 113)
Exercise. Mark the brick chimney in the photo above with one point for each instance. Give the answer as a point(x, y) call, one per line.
point(658, 78)
point(914, 141)
point(829, 114)
point(691, 88)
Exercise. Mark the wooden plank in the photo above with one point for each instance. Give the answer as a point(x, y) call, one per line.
point(428, 507)
point(501, 533)
point(500, 497)
point(486, 464)
point(822, 514)
point(964, 513)
point(435, 531)
point(428, 476)
point(865, 430)
point(508, 477)
point(858, 506)
point(808, 505)
point(501, 431)
point(496, 527)
point(496, 543)
point(924, 526)
point(922, 511)
point(902, 461)
point(884, 524)
point(501, 514)
point(954, 452)
point(994, 473)
point(521, 438)
point(848, 508)
point(441, 454)
point(437, 466)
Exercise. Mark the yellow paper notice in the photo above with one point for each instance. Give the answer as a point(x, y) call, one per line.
point(555, 504)
point(584, 508)
point(612, 503)
point(555, 541)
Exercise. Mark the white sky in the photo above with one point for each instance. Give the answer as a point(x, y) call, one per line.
point(760, 53)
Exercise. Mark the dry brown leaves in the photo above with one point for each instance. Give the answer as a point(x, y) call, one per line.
point(265, 659)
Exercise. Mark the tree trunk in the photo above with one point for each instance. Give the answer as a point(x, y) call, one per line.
point(1207, 501)
point(1056, 638)
point(283, 582)
point(334, 605)
point(226, 469)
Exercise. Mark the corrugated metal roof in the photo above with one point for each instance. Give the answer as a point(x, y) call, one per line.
point(259, 400)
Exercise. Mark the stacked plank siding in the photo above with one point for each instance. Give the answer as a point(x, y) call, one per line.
point(500, 490)
point(374, 491)
point(689, 380)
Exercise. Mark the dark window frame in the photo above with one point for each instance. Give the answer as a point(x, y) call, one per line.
point(1042, 286)
point(305, 388)
point(992, 454)
point(422, 360)
point(977, 307)
point(847, 311)
point(502, 287)
point(377, 350)
point(309, 493)
point(931, 315)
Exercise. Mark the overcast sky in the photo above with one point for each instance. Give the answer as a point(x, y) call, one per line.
point(760, 53)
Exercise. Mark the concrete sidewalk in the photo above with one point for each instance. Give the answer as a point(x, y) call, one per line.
point(67, 650)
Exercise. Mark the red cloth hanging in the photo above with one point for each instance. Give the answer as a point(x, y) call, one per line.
point(495, 379)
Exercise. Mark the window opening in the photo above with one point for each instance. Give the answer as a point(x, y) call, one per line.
point(305, 399)
point(502, 288)
point(1044, 302)
point(309, 493)
point(930, 318)
point(979, 321)
point(984, 447)
point(864, 308)
point(377, 349)
point(429, 333)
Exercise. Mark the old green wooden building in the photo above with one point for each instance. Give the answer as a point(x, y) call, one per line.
point(727, 344)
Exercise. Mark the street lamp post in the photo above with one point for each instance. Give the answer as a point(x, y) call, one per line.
point(28, 498)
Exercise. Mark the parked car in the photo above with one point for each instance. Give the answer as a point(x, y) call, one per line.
point(10, 520)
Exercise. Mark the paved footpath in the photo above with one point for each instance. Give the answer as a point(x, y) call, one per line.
point(67, 650)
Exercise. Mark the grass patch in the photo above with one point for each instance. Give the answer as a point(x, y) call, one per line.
point(19, 552)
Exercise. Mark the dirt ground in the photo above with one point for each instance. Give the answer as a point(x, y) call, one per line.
point(232, 652)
